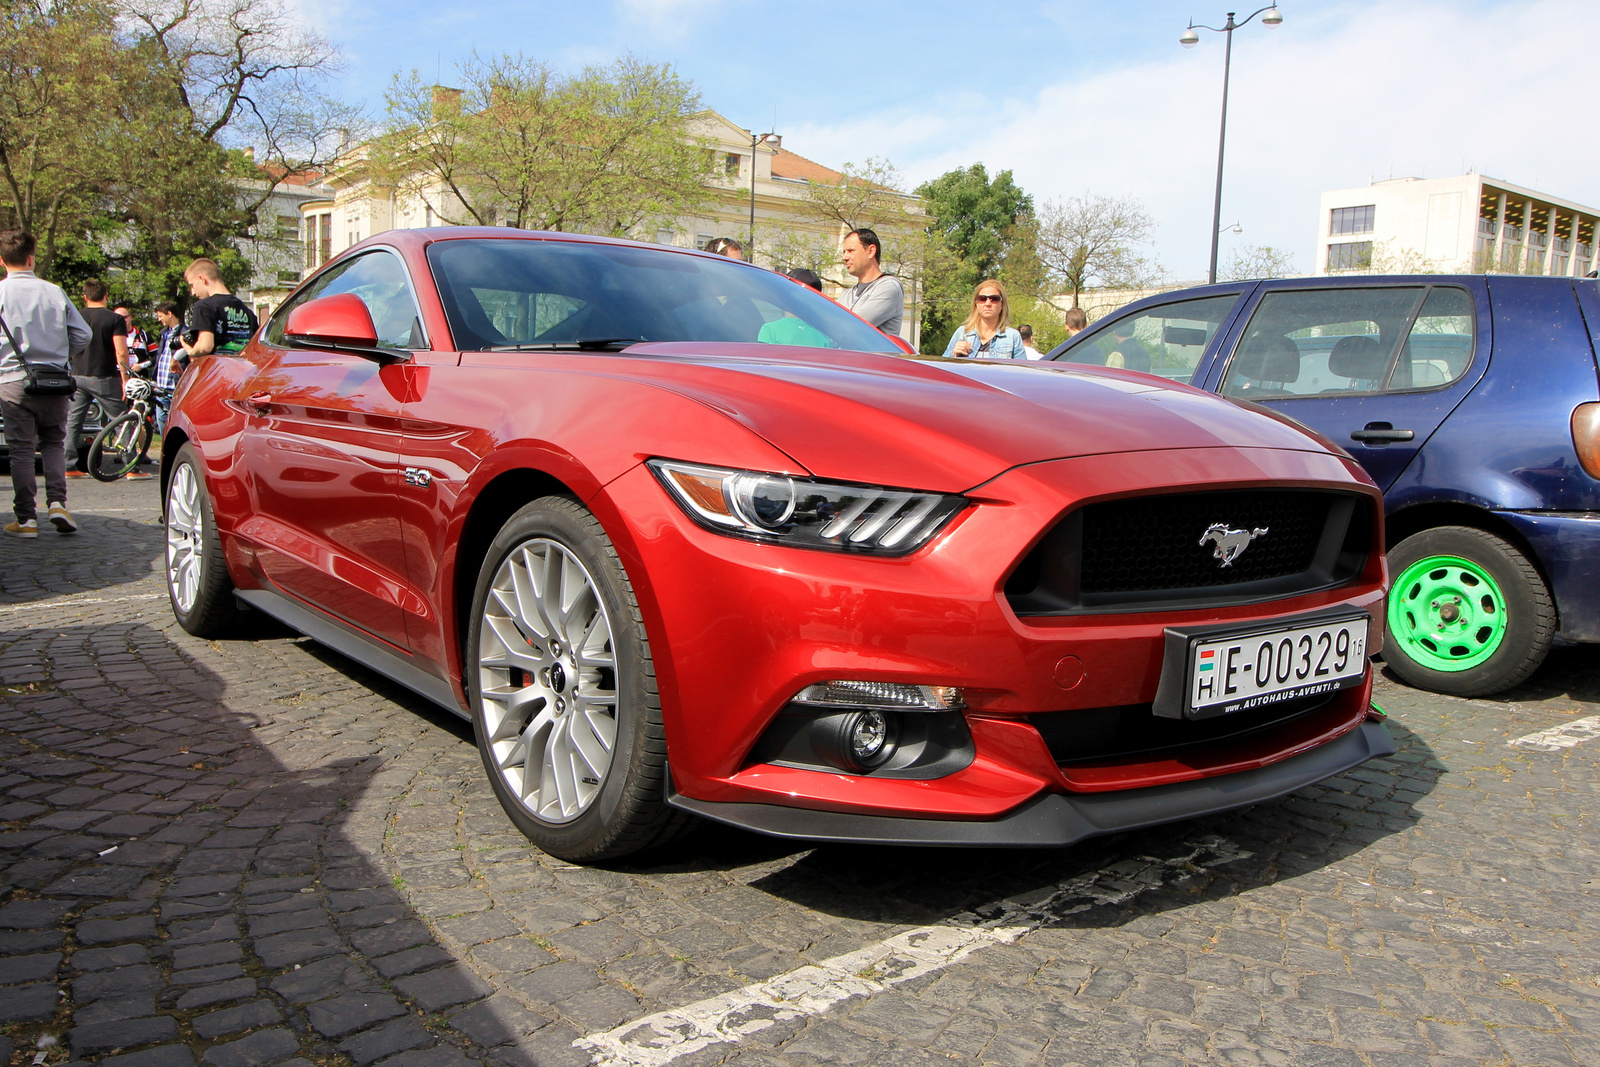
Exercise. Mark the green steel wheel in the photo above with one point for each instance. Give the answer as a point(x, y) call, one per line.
point(1447, 613)
point(1468, 614)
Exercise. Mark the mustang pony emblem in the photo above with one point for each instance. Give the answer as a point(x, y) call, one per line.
point(1229, 543)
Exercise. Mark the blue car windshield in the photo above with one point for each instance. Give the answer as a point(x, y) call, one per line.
point(503, 293)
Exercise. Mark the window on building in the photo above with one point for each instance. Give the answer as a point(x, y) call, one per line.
point(288, 227)
point(1348, 220)
point(288, 277)
point(666, 237)
point(1537, 239)
point(1513, 233)
point(325, 243)
point(1486, 226)
point(703, 239)
point(730, 165)
point(1350, 255)
point(308, 230)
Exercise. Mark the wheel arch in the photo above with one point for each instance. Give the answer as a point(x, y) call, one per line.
point(494, 504)
point(174, 440)
point(1406, 521)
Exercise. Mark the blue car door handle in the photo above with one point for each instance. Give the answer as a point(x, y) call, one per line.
point(1378, 433)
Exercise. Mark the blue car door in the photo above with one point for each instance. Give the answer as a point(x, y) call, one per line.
point(1375, 366)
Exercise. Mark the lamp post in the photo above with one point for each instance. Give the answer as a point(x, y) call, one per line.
point(774, 141)
point(1270, 16)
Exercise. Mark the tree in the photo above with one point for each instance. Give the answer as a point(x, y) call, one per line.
point(1255, 262)
point(872, 196)
point(1087, 240)
point(605, 150)
point(56, 63)
point(985, 228)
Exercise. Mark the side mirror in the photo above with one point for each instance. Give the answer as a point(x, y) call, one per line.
point(339, 321)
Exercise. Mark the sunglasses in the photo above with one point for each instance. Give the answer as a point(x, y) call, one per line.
point(988, 298)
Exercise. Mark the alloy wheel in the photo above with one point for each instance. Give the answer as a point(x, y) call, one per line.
point(184, 546)
point(1447, 613)
point(547, 676)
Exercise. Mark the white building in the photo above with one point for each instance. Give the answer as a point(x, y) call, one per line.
point(1463, 225)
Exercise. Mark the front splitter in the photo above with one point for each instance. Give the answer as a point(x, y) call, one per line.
point(1056, 819)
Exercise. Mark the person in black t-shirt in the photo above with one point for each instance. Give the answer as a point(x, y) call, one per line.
point(100, 370)
point(218, 321)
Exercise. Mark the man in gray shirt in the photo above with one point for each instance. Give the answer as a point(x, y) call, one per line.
point(876, 296)
point(50, 331)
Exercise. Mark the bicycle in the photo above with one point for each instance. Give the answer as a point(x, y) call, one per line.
point(119, 446)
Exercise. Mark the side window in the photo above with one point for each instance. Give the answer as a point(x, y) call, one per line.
point(1321, 342)
point(1438, 349)
point(1167, 340)
point(379, 280)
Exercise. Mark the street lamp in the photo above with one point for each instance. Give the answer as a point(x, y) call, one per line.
point(774, 140)
point(1270, 16)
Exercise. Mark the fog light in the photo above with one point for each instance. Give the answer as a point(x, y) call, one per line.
point(896, 695)
point(865, 739)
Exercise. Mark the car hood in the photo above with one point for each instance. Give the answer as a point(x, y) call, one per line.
point(945, 424)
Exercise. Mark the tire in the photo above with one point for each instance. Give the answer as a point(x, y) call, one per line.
point(571, 737)
point(1468, 613)
point(116, 448)
point(197, 572)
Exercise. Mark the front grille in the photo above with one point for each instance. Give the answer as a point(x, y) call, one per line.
point(1148, 552)
point(1132, 732)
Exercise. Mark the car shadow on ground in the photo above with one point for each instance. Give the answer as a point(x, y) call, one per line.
point(1571, 672)
point(168, 882)
point(282, 863)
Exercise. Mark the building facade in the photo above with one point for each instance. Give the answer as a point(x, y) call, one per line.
point(1463, 225)
point(348, 205)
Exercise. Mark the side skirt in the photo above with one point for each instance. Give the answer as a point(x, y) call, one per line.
point(352, 645)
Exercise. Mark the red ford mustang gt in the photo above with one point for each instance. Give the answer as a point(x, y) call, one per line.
point(569, 489)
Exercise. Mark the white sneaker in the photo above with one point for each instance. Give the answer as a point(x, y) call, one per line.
point(62, 520)
point(18, 528)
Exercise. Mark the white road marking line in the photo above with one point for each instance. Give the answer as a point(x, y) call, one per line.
point(656, 1040)
point(1559, 737)
point(72, 601)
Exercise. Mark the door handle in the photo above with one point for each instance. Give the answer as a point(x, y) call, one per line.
point(1380, 433)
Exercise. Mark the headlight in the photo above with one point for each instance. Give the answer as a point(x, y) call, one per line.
point(806, 513)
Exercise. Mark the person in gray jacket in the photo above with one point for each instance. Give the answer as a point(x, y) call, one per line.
point(876, 296)
point(50, 331)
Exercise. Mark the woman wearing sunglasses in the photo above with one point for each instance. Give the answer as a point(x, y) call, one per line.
point(987, 333)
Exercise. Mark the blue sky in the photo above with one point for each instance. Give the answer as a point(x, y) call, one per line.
point(1077, 97)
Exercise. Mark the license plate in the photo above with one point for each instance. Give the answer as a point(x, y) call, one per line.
point(1239, 672)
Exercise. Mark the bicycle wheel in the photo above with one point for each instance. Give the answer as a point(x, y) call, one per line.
point(117, 447)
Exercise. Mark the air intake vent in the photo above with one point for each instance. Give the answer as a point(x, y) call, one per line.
point(1194, 550)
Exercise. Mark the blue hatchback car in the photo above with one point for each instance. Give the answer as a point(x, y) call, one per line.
point(1474, 403)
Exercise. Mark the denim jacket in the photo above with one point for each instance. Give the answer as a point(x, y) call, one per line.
point(1007, 344)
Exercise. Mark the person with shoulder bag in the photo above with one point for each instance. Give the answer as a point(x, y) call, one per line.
point(41, 333)
point(987, 333)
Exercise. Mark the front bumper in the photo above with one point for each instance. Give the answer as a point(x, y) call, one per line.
point(737, 628)
point(1057, 819)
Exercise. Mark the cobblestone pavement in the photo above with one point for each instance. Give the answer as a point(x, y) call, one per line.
point(254, 852)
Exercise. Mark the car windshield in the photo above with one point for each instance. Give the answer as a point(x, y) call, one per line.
point(516, 293)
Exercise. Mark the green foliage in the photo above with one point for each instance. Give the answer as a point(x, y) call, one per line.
point(985, 228)
point(114, 125)
point(606, 150)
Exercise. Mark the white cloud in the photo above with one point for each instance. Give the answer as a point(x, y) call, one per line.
point(1333, 98)
point(671, 19)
